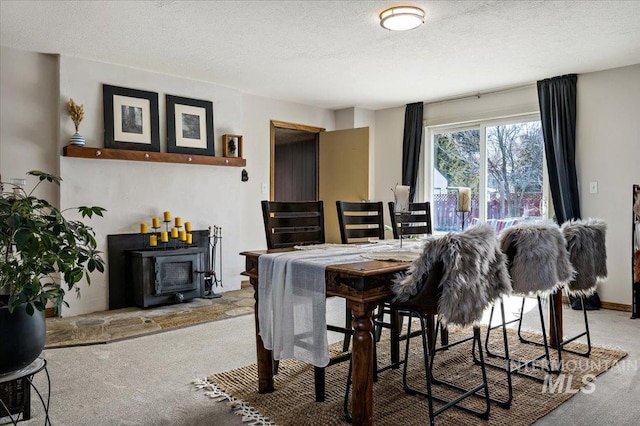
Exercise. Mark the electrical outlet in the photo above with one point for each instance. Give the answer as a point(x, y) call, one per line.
point(593, 187)
point(265, 188)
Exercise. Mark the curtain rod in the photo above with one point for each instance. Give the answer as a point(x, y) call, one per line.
point(480, 94)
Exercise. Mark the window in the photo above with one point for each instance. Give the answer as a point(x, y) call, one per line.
point(501, 162)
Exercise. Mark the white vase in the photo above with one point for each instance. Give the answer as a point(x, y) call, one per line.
point(77, 139)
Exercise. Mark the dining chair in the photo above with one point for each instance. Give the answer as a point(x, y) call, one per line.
point(360, 221)
point(538, 263)
point(295, 223)
point(456, 278)
point(418, 222)
point(588, 255)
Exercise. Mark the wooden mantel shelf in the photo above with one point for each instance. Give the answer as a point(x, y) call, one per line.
point(161, 157)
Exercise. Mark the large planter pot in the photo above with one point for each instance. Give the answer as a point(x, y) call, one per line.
point(22, 338)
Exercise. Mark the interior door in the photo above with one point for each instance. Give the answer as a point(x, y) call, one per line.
point(343, 173)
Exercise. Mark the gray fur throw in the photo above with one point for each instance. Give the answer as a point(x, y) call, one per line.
point(588, 254)
point(475, 273)
point(539, 261)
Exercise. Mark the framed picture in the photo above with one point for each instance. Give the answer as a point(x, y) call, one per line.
point(232, 146)
point(189, 126)
point(130, 119)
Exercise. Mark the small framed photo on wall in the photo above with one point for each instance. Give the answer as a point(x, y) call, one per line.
point(189, 126)
point(232, 146)
point(130, 119)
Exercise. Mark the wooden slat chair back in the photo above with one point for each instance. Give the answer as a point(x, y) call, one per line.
point(418, 223)
point(291, 223)
point(360, 221)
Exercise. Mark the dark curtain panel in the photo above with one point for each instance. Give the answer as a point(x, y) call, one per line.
point(411, 145)
point(557, 98)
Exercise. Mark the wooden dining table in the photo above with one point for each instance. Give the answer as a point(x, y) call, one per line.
point(363, 285)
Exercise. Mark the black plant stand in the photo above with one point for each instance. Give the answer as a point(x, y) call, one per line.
point(8, 408)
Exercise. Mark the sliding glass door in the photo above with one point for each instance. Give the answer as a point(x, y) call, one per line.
point(502, 165)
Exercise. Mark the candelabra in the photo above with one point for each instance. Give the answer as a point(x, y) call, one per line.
point(171, 238)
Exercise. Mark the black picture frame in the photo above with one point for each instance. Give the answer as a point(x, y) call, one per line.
point(135, 124)
point(189, 126)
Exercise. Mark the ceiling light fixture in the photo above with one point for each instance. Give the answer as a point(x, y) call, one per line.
point(401, 18)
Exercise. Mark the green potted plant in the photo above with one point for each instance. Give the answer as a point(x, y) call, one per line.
point(39, 248)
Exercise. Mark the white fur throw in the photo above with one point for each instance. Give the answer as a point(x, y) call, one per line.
point(539, 261)
point(587, 252)
point(475, 273)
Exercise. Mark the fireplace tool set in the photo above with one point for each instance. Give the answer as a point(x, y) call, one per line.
point(211, 279)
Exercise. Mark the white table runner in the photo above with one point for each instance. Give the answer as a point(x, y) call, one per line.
point(292, 299)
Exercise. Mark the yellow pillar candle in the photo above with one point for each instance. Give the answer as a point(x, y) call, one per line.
point(178, 221)
point(164, 236)
point(143, 228)
point(189, 239)
point(167, 216)
point(187, 226)
point(183, 235)
point(174, 232)
point(155, 222)
point(153, 240)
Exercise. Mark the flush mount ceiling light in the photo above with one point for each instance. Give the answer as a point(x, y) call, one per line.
point(401, 18)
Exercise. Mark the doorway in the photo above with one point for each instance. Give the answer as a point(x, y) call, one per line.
point(308, 164)
point(294, 162)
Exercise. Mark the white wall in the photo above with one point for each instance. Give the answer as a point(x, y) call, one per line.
point(388, 153)
point(134, 192)
point(35, 127)
point(28, 128)
point(258, 113)
point(608, 152)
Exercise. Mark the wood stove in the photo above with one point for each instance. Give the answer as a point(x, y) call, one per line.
point(166, 276)
point(128, 285)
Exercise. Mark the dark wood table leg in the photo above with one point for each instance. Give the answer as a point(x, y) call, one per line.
point(555, 321)
point(263, 356)
point(362, 399)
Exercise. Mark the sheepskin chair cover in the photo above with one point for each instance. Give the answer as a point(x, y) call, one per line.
point(587, 253)
point(541, 261)
point(475, 273)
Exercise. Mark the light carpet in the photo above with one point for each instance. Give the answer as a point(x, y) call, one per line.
point(292, 403)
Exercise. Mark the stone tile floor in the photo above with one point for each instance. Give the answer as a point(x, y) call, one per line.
point(108, 326)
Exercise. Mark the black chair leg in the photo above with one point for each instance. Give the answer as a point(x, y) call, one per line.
point(348, 324)
point(585, 333)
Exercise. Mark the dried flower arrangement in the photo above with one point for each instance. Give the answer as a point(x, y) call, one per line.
point(76, 112)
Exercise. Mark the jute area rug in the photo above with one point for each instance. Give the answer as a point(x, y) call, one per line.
point(292, 403)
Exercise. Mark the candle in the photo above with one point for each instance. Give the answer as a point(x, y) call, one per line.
point(183, 235)
point(167, 216)
point(401, 195)
point(187, 226)
point(178, 221)
point(174, 232)
point(464, 199)
point(153, 240)
point(164, 236)
point(143, 228)
point(189, 238)
point(155, 222)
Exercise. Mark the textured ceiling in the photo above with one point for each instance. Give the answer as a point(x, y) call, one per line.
point(334, 54)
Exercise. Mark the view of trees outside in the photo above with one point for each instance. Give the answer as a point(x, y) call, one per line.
point(514, 158)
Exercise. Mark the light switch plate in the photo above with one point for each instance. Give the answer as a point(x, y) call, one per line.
point(593, 187)
point(265, 188)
